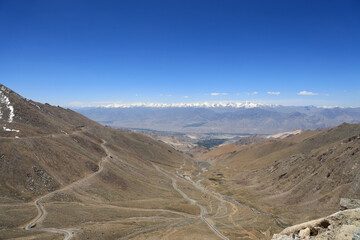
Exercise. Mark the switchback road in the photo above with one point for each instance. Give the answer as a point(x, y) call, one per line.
point(41, 210)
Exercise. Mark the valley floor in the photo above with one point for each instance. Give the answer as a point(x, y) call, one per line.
point(77, 211)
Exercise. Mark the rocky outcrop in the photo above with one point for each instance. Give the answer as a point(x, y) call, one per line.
point(341, 225)
point(347, 203)
point(356, 235)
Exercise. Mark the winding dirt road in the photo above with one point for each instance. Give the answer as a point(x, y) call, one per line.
point(233, 202)
point(41, 210)
point(216, 195)
point(202, 208)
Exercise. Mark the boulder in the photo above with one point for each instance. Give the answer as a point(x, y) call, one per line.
point(347, 203)
point(356, 235)
point(304, 233)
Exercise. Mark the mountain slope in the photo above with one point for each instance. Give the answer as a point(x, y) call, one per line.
point(308, 173)
point(54, 152)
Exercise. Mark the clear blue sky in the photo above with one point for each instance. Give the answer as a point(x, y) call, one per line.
point(63, 51)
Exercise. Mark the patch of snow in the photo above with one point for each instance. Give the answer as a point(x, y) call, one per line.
point(34, 105)
point(10, 130)
point(16, 137)
point(11, 115)
point(5, 100)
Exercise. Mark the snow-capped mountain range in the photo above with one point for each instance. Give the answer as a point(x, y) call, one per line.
point(220, 117)
point(189, 105)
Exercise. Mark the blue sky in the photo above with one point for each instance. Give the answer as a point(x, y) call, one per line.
point(89, 52)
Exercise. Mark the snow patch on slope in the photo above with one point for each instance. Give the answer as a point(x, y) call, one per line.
point(35, 105)
point(10, 130)
point(5, 100)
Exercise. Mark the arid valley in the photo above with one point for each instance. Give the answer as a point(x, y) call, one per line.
point(67, 177)
point(179, 120)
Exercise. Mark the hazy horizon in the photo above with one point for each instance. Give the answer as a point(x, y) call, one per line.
point(235, 104)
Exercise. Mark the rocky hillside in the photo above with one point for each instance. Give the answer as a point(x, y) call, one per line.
point(308, 173)
point(343, 225)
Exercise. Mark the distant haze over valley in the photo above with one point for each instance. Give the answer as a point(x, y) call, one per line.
point(220, 117)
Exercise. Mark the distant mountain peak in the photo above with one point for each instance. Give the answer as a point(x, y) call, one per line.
point(208, 104)
point(190, 105)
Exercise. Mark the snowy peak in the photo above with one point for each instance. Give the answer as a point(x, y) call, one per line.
point(218, 104)
point(189, 105)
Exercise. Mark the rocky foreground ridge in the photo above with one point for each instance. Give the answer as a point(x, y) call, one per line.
point(342, 225)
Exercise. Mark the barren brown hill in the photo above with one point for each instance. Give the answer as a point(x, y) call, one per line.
point(64, 176)
point(295, 179)
point(44, 147)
